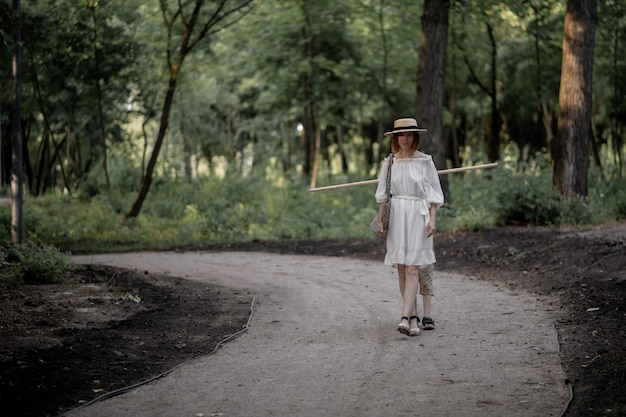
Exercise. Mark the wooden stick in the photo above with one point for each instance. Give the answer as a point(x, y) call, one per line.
point(461, 169)
point(368, 182)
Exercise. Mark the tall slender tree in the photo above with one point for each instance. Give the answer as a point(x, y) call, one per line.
point(430, 80)
point(17, 185)
point(571, 152)
point(195, 24)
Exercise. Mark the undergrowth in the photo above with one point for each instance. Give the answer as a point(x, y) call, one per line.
point(238, 208)
point(29, 263)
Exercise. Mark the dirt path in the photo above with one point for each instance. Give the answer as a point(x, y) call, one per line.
point(323, 342)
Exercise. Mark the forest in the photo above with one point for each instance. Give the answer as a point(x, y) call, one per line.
point(186, 121)
point(186, 125)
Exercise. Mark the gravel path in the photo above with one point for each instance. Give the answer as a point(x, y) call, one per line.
point(322, 342)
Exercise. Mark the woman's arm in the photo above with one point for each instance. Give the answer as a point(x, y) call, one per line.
point(431, 227)
point(380, 229)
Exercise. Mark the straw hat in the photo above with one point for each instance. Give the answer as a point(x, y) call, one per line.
point(405, 125)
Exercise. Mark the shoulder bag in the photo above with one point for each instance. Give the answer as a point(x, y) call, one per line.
point(386, 204)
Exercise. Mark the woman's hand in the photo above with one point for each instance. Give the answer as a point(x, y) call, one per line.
point(380, 230)
point(430, 228)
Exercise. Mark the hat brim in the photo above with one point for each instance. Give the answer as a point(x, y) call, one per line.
point(411, 129)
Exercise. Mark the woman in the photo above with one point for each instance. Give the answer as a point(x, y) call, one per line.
point(416, 196)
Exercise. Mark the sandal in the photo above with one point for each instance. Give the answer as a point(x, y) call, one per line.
point(404, 328)
point(414, 331)
point(428, 323)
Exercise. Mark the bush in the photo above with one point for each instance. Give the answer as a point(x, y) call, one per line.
point(5, 222)
point(617, 195)
point(529, 200)
point(36, 264)
point(7, 275)
point(620, 208)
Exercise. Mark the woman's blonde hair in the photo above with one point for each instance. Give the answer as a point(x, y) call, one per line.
point(395, 147)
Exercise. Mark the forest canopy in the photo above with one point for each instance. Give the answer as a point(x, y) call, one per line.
point(264, 87)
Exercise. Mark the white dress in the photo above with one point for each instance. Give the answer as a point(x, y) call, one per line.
point(414, 186)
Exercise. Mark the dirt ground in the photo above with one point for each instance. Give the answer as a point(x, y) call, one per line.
point(64, 345)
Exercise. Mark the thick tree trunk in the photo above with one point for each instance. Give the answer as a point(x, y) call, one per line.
point(430, 82)
point(572, 139)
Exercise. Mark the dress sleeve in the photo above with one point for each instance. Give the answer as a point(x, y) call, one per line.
point(381, 194)
point(432, 185)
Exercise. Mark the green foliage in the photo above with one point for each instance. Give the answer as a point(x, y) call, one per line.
point(8, 277)
point(620, 208)
point(528, 199)
point(94, 80)
point(33, 264)
point(177, 214)
point(5, 222)
point(611, 197)
point(242, 208)
point(519, 194)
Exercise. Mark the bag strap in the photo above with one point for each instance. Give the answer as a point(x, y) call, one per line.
point(388, 181)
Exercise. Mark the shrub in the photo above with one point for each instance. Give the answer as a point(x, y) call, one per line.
point(473, 219)
point(37, 264)
point(576, 211)
point(619, 201)
point(7, 275)
point(5, 222)
point(529, 199)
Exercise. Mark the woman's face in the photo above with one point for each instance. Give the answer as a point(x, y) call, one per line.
point(405, 140)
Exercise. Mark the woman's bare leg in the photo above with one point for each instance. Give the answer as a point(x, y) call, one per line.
point(401, 278)
point(402, 285)
point(409, 293)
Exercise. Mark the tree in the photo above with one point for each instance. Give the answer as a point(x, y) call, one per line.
point(187, 19)
point(17, 186)
point(430, 80)
point(574, 124)
point(609, 83)
point(493, 134)
point(65, 92)
point(530, 64)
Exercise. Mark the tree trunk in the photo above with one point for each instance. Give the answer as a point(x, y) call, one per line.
point(571, 159)
point(187, 43)
point(382, 118)
point(453, 114)
point(494, 137)
point(340, 150)
point(546, 118)
point(146, 180)
point(307, 92)
point(187, 154)
point(493, 130)
point(616, 132)
point(96, 68)
point(430, 82)
point(316, 150)
point(17, 186)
